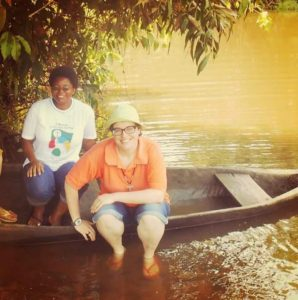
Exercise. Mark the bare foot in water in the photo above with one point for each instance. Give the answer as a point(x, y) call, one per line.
point(115, 262)
point(151, 268)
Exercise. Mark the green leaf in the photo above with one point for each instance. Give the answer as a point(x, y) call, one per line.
point(4, 36)
point(244, 4)
point(184, 25)
point(116, 56)
point(102, 59)
point(188, 37)
point(194, 22)
point(199, 51)
point(170, 8)
point(15, 49)
point(25, 44)
point(214, 34)
point(6, 44)
point(5, 49)
point(203, 64)
point(151, 38)
point(145, 43)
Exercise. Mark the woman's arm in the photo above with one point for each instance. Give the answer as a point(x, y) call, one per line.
point(88, 143)
point(72, 199)
point(36, 167)
point(89, 136)
point(136, 197)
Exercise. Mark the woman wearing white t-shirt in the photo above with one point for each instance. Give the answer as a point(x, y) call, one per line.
point(55, 130)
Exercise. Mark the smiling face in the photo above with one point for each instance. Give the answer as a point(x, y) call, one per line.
point(126, 135)
point(62, 91)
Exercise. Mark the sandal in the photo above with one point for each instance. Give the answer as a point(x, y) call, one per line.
point(115, 262)
point(34, 221)
point(152, 271)
point(7, 216)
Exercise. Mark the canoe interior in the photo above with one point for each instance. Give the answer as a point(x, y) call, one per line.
point(191, 190)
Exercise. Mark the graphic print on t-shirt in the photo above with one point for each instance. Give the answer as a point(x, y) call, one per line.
point(60, 141)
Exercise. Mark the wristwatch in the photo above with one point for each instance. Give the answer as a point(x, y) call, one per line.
point(77, 222)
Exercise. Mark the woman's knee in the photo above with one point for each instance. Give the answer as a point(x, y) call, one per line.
point(40, 187)
point(109, 224)
point(37, 201)
point(150, 223)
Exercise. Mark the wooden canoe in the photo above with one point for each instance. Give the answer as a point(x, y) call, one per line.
point(199, 196)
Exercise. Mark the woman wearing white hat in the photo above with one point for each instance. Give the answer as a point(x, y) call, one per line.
point(133, 183)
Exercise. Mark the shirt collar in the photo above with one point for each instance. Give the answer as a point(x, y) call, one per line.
point(111, 155)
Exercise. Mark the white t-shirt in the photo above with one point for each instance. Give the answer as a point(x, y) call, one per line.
point(58, 134)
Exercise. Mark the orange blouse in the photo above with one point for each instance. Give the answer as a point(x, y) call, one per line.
point(101, 162)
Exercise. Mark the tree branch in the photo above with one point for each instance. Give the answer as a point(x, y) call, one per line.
point(37, 11)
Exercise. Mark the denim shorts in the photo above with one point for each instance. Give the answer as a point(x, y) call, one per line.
point(133, 214)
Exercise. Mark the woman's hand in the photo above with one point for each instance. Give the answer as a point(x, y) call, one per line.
point(86, 230)
point(36, 168)
point(100, 201)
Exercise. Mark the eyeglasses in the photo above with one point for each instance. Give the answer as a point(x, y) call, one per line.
point(127, 130)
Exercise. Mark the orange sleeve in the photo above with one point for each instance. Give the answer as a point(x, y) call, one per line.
point(87, 168)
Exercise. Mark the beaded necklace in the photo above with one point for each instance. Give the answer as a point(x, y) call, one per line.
point(127, 180)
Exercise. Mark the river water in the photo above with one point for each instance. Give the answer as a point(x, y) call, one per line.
point(241, 111)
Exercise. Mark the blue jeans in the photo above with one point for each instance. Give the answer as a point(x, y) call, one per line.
point(129, 214)
point(42, 188)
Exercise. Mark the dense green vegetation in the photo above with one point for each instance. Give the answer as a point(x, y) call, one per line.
point(287, 5)
point(36, 35)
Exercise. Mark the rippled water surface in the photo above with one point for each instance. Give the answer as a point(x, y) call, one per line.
point(259, 263)
point(241, 110)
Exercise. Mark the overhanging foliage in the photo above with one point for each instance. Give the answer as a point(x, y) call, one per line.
point(36, 35)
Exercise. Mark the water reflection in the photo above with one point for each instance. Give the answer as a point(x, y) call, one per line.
point(73, 271)
point(259, 263)
point(253, 263)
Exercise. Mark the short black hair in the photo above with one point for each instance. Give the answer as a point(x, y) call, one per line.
point(64, 71)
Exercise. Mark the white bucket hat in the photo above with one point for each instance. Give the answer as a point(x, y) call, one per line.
point(124, 113)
